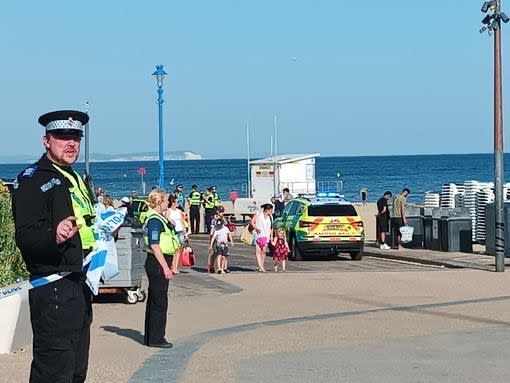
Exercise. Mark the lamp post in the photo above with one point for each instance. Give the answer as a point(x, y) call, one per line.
point(160, 75)
point(492, 23)
point(87, 142)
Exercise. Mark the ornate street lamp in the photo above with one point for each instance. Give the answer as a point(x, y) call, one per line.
point(160, 75)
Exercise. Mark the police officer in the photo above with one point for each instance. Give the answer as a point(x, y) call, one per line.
point(210, 209)
point(215, 196)
point(162, 243)
point(194, 201)
point(53, 217)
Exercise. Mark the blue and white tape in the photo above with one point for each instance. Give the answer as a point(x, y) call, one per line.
point(100, 262)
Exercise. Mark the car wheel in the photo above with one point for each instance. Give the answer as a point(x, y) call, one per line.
point(295, 255)
point(356, 255)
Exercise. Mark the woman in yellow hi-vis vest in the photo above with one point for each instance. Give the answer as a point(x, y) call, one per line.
point(161, 244)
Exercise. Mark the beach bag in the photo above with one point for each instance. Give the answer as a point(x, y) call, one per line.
point(187, 256)
point(407, 233)
point(247, 236)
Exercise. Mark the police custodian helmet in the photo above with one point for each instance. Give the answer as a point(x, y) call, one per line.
point(64, 122)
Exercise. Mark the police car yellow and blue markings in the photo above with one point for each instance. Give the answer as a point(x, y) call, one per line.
point(322, 228)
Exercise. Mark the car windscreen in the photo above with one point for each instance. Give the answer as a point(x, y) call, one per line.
point(331, 210)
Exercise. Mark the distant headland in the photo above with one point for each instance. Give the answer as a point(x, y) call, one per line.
point(98, 157)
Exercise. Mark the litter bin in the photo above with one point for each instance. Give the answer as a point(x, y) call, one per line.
point(490, 227)
point(456, 234)
point(131, 259)
point(432, 226)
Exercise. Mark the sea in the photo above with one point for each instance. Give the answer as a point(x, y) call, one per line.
point(419, 173)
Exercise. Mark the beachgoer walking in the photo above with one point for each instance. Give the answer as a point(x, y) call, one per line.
point(194, 201)
point(398, 218)
point(262, 223)
point(219, 245)
point(176, 217)
point(383, 219)
point(179, 195)
point(54, 220)
point(233, 196)
point(363, 194)
point(161, 242)
point(280, 249)
point(217, 222)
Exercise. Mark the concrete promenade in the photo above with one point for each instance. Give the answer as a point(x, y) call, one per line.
point(321, 322)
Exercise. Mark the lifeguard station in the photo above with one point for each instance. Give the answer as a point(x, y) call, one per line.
point(269, 176)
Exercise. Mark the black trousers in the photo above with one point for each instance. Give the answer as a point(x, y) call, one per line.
point(157, 301)
point(61, 314)
point(194, 217)
point(209, 214)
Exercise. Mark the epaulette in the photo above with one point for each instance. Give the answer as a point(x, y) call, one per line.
point(29, 172)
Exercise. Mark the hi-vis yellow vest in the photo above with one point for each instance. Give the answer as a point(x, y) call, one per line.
point(168, 241)
point(209, 201)
point(82, 208)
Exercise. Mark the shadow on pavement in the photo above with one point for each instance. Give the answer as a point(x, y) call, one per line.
point(231, 268)
point(135, 335)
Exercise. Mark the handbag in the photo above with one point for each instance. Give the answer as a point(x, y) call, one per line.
point(247, 237)
point(407, 233)
point(187, 256)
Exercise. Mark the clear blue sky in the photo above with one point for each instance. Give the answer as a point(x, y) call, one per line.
point(370, 77)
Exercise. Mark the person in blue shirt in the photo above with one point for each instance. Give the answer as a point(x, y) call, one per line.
point(179, 195)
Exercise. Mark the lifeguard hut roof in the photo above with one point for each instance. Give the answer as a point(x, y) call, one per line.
point(284, 158)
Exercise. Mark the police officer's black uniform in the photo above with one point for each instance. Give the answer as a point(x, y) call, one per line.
point(195, 199)
point(61, 311)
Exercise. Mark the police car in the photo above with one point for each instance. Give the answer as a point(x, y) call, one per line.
point(322, 224)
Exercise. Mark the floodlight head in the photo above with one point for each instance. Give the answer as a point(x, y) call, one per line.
point(487, 5)
point(504, 17)
point(483, 29)
point(487, 20)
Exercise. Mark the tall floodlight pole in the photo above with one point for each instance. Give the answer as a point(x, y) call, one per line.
point(248, 158)
point(492, 23)
point(87, 143)
point(160, 75)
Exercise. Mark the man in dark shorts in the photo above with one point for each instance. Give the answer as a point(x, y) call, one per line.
point(398, 218)
point(383, 220)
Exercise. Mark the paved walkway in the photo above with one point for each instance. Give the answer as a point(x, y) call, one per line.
point(476, 260)
point(415, 323)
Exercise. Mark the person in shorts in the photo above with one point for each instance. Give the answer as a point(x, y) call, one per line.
point(398, 218)
point(383, 220)
point(219, 244)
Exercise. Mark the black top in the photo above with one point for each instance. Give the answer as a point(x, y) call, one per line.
point(41, 200)
point(278, 207)
point(381, 203)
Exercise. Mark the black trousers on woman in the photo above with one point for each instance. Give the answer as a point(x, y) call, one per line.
point(157, 301)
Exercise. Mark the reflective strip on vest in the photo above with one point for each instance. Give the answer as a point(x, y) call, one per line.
point(195, 198)
point(82, 206)
point(209, 201)
point(216, 200)
point(168, 242)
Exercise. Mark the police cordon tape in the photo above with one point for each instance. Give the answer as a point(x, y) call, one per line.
point(100, 262)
